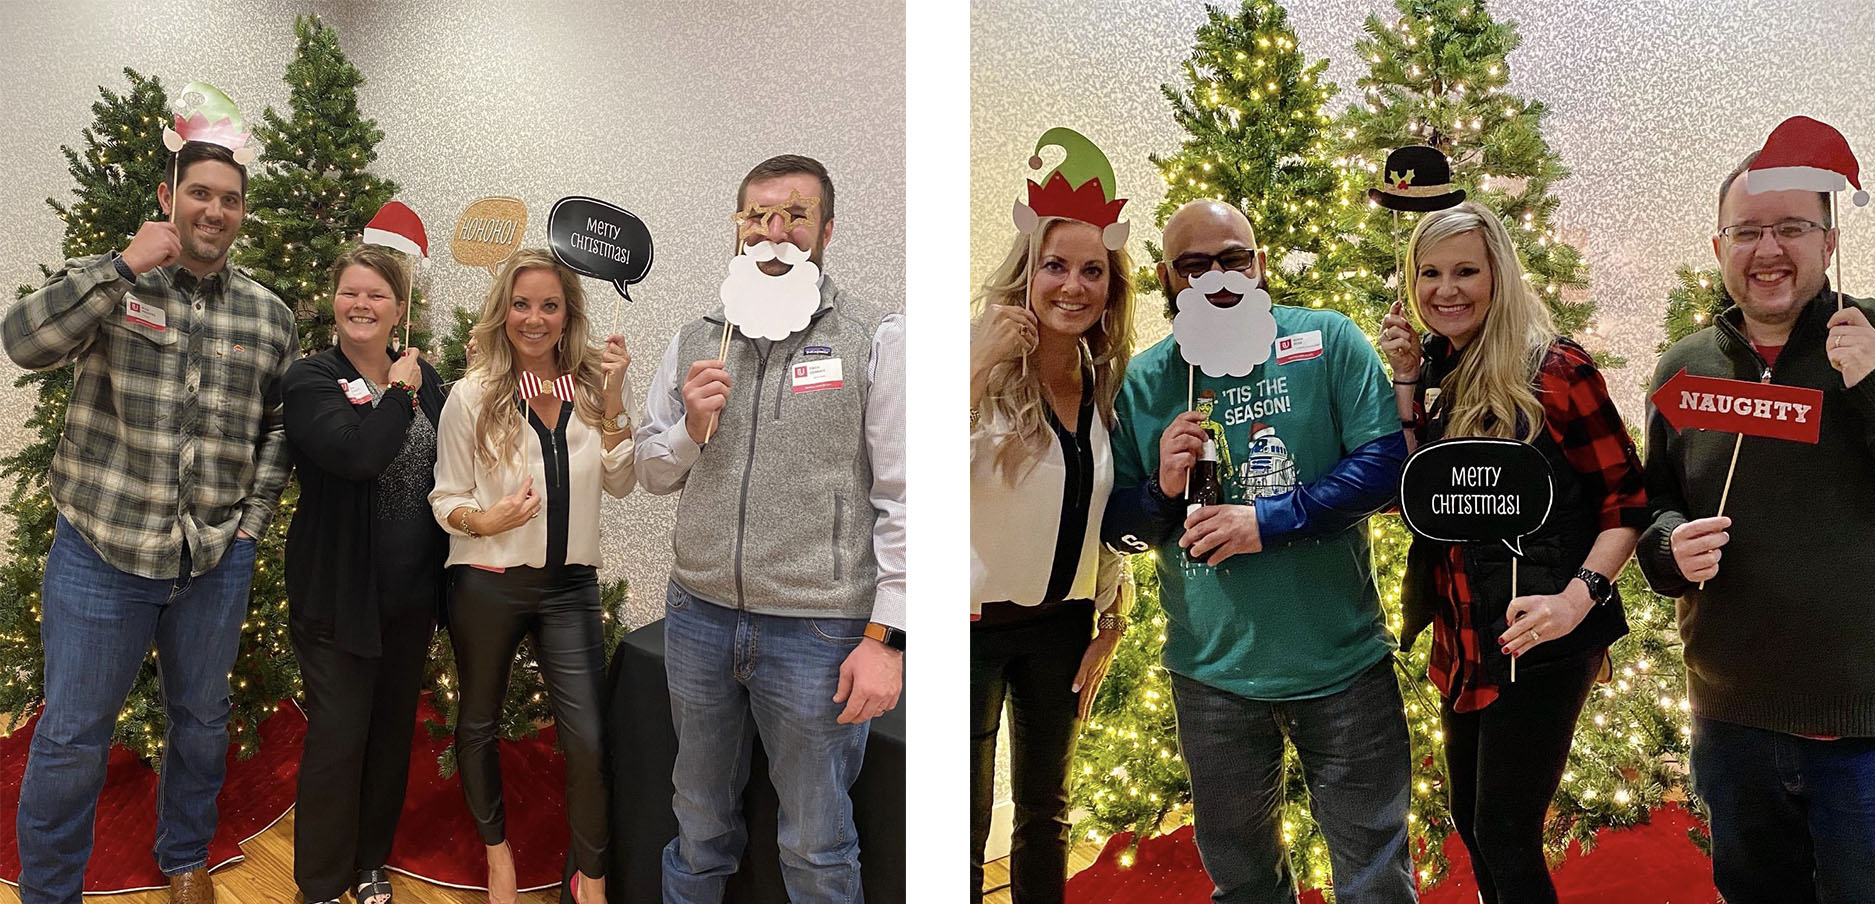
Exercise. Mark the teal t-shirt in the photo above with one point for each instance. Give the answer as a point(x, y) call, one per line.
point(1297, 620)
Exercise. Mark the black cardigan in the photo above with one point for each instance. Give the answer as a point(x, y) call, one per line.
point(339, 450)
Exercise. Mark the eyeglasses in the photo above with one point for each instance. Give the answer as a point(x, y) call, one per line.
point(1193, 265)
point(1784, 232)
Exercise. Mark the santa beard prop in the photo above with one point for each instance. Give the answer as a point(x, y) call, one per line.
point(1224, 341)
point(771, 307)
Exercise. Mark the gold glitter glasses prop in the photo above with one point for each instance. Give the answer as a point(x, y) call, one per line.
point(795, 212)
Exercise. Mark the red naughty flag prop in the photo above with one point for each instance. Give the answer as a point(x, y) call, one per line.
point(1741, 406)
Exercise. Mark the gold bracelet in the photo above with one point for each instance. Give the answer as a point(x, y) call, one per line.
point(463, 522)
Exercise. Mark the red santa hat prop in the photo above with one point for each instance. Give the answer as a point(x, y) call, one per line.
point(398, 227)
point(1807, 155)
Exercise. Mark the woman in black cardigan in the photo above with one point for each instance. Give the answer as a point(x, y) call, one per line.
point(364, 575)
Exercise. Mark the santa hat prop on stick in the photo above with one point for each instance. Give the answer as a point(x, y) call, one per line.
point(1803, 154)
point(1807, 155)
point(397, 227)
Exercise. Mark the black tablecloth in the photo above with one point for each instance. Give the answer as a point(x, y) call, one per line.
point(642, 748)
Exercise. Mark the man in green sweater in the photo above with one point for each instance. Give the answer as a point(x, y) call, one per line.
point(1274, 633)
point(1780, 642)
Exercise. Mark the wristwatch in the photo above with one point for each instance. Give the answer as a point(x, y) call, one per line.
point(886, 634)
point(1601, 590)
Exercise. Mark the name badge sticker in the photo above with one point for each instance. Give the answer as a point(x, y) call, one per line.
point(356, 393)
point(1299, 347)
point(142, 313)
point(809, 376)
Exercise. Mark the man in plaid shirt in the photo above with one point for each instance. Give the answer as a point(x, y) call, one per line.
point(172, 459)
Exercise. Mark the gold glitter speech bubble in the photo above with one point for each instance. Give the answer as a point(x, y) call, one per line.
point(488, 231)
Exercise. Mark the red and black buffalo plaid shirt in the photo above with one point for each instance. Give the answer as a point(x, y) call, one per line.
point(1582, 420)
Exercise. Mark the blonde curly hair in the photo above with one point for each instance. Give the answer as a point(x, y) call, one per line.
point(1014, 392)
point(499, 422)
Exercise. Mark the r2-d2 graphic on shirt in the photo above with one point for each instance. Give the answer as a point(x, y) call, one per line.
point(1266, 469)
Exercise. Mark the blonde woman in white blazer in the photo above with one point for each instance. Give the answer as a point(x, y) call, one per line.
point(1047, 356)
point(527, 441)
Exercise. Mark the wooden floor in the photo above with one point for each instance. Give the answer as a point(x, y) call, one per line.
point(996, 873)
point(266, 877)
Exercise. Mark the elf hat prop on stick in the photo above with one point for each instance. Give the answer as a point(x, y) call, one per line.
point(1080, 188)
point(398, 227)
point(206, 114)
point(1805, 154)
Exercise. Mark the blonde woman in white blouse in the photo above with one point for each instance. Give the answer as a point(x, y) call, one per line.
point(527, 441)
point(1044, 373)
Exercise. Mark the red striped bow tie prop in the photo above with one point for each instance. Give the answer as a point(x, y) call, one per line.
point(528, 386)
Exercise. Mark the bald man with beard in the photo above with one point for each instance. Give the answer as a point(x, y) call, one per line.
point(1273, 625)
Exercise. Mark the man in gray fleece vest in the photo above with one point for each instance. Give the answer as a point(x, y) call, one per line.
point(785, 613)
point(1780, 645)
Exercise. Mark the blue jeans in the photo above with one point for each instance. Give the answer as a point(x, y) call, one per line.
point(1793, 820)
point(96, 626)
point(734, 674)
point(1355, 759)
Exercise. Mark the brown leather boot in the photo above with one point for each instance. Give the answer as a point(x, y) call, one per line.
point(193, 887)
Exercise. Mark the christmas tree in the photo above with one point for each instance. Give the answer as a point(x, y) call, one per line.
point(1436, 77)
point(313, 195)
point(1255, 112)
point(1697, 297)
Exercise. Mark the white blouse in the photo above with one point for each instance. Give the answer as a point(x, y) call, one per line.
point(1013, 528)
point(461, 480)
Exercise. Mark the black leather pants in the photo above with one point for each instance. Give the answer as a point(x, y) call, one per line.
point(558, 608)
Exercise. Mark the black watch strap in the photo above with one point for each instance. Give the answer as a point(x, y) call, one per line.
point(123, 269)
point(1601, 590)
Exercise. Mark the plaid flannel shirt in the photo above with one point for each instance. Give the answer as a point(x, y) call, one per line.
point(1583, 420)
point(173, 431)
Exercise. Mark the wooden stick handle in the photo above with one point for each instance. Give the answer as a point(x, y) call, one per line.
point(1835, 220)
point(722, 350)
point(1727, 492)
point(1513, 595)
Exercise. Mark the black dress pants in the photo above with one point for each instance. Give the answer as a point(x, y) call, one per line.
point(559, 609)
point(1504, 763)
point(360, 714)
point(1028, 665)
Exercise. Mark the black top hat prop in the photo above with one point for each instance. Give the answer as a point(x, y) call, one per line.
point(1417, 178)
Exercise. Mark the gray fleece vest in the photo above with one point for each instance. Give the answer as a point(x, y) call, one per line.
point(776, 514)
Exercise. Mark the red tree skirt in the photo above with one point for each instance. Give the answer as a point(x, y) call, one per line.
point(1654, 862)
point(257, 792)
point(436, 837)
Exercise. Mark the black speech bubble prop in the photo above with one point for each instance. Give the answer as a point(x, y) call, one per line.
point(1476, 489)
point(600, 240)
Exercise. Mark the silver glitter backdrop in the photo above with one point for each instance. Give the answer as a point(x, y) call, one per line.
point(660, 107)
point(1651, 104)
